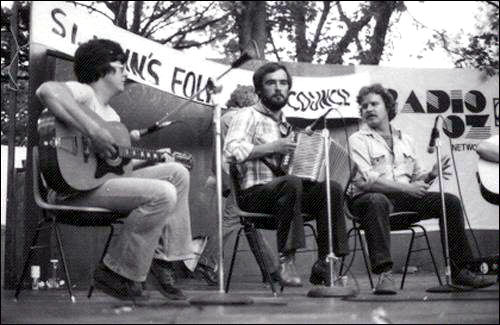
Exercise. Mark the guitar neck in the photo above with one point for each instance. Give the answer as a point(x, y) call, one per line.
point(140, 153)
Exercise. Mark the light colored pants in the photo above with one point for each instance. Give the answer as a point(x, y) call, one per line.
point(158, 224)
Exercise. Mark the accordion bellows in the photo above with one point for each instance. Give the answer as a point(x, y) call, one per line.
point(308, 157)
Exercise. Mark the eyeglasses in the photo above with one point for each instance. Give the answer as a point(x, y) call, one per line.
point(118, 66)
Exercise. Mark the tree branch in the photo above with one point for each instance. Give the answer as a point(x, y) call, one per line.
point(94, 10)
point(322, 20)
point(271, 40)
point(493, 3)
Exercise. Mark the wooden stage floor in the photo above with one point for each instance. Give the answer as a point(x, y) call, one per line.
point(412, 305)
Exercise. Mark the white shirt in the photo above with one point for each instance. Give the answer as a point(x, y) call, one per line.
point(85, 95)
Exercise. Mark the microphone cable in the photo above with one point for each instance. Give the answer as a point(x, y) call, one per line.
point(462, 199)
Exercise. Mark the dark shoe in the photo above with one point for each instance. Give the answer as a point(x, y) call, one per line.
point(385, 284)
point(116, 285)
point(320, 274)
point(207, 273)
point(288, 272)
point(163, 279)
point(469, 279)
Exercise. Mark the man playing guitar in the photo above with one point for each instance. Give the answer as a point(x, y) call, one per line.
point(488, 169)
point(157, 229)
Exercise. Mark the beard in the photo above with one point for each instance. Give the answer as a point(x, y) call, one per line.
point(272, 103)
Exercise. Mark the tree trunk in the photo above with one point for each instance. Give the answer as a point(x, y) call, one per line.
point(121, 15)
point(298, 12)
point(377, 42)
point(136, 23)
point(251, 22)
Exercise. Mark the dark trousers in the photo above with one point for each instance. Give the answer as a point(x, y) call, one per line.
point(287, 197)
point(373, 210)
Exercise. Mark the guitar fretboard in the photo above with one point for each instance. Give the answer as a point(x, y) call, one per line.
point(140, 153)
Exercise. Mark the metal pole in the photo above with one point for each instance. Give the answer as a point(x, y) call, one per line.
point(11, 136)
point(331, 256)
point(220, 298)
point(331, 290)
point(443, 211)
point(218, 165)
point(448, 286)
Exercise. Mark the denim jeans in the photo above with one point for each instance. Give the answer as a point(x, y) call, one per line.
point(373, 211)
point(158, 224)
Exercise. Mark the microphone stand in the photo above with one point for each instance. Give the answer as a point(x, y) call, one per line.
point(220, 297)
point(330, 290)
point(448, 286)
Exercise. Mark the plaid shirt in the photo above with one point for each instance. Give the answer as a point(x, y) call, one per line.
point(375, 159)
point(252, 126)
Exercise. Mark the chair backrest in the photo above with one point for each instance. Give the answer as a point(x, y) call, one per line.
point(40, 191)
point(235, 190)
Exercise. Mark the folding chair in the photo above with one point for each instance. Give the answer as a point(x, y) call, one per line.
point(343, 170)
point(54, 214)
point(248, 222)
point(407, 214)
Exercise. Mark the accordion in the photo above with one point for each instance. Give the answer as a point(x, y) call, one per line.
point(308, 158)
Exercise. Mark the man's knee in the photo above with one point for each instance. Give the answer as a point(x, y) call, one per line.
point(181, 172)
point(376, 202)
point(451, 200)
point(291, 183)
point(165, 194)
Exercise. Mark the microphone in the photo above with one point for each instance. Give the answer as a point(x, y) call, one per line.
point(137, 134)
point(250, 52)
point(309, 130)
point(434, 136)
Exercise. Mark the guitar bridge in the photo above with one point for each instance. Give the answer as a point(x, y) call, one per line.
point(69, 144)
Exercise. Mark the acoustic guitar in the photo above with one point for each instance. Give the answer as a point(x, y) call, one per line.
point(69, 164)
point(487, 173)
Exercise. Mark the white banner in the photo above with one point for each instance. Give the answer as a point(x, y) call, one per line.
point(63, 26)
point(469, 101)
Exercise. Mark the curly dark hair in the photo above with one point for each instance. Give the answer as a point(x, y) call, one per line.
point(93, 58)
point(389, 101)
point(267, 68)
point(242, 96)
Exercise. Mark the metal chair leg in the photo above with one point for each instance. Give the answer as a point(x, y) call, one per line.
point(432, 255)
point(343, 257)
point(106, 246)
point(408, 257)
point(365, 256)
point(260, 258)
point(236, 243)
point(63, 258)
point(27, 262)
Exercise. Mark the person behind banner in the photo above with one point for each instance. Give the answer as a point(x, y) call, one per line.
point(157, 229)
point(488, 149)
point(390, 179)
point(261, 131)
point(242, 96)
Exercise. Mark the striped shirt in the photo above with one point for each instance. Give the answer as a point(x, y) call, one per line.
point(376, 159)
point(252, 126)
